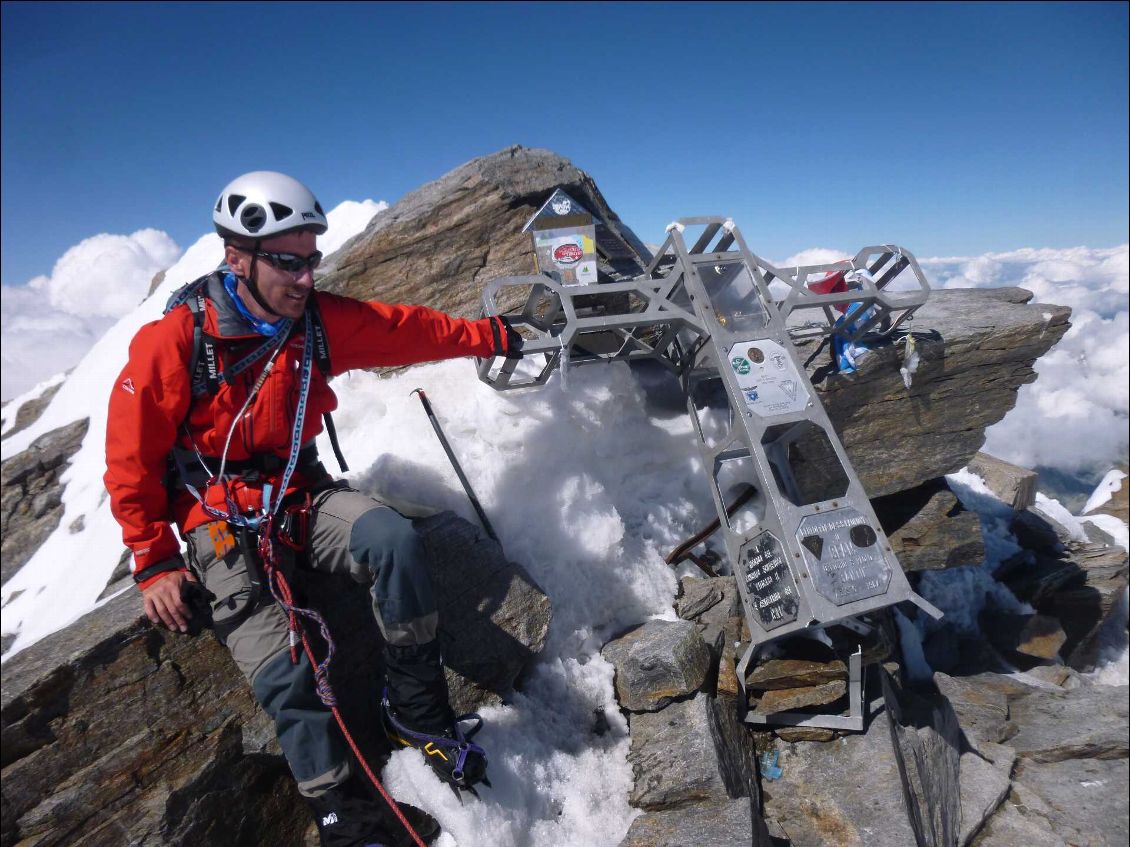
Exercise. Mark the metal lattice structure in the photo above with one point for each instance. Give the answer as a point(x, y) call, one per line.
point(806, 548)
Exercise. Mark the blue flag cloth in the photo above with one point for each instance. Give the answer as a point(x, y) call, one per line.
point(848, 353)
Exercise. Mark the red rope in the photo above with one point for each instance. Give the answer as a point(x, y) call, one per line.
point(392, 804)
point(286, 598)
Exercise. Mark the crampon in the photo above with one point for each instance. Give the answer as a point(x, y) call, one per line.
point(450, 753)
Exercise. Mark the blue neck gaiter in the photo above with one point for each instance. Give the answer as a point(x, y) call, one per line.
point(260, 326)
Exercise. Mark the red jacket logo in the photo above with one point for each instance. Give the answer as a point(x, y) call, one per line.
point(127, 384)
point(567, 254)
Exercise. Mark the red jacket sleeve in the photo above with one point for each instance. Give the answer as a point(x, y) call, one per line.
point(371, 334)
point(148, 402)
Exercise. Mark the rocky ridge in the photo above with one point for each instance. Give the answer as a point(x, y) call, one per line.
point(115, 732)
point(438, 246)
point(441, 243)
point(31, 496)
point(1010, 745)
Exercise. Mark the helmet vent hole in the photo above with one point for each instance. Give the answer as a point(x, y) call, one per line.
point(253, 217)
point(281, 212)
point(233, 202)
point(318, 208)
point(219, 202)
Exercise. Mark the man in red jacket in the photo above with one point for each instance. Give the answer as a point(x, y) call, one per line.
point(212, 426)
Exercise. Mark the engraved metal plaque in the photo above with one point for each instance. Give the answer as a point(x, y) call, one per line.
point(843, 555)
point(769, 581)
point(767, 377)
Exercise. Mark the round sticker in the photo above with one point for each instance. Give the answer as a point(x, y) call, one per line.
point(756, 355)
point(740, 365)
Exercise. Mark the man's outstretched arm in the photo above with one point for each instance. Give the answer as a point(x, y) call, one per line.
point(373, 334)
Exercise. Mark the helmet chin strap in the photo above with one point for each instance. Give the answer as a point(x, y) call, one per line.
point(253, 283)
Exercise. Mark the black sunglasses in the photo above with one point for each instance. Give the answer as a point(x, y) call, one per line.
point(288, 261)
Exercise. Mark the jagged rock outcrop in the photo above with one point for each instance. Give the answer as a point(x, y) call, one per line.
point(1065, 749)
point(691, 752)
point(845, 792)
point(692, 759)
point(977, 347)
point(993, 759)
point(955, 758)
point(441, 243)
point(31, 498)
point(722, 824)
point(1009, 483)
point(1023, 637)
point(929, 529)
point(127, 734)
point(1079, 583)
point(657, 663)
point(494, 617)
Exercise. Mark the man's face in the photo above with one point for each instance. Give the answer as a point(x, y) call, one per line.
point(285, 292)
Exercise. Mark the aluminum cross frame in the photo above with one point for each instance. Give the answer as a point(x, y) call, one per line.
point(807, 549)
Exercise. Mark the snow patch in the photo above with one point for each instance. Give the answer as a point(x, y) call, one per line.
point(1114, 527)
point(1104, 490)
point(11, 409)
point(1057, 511)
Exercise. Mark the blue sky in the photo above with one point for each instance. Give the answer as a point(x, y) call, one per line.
point(951, 129)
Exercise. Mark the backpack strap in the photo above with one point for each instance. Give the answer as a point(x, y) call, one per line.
point(322, 358)
point(321, 343)
point(205, 363)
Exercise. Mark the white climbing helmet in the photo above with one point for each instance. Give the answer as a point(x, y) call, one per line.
point(263, 204)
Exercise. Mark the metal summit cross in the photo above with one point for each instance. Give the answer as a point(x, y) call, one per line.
point(802, 539)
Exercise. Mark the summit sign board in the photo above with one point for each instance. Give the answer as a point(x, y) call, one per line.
point(564, 237)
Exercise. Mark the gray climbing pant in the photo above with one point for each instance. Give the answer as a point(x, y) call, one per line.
point(349, 533)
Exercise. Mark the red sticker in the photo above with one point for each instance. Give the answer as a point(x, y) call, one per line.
point(567, 254)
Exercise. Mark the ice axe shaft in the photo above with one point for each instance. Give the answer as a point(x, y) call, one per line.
point(455, 464)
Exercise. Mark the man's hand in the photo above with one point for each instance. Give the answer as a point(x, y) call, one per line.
point(164, 604)
point(514, 340)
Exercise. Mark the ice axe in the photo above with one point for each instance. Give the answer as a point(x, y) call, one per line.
point(455, 464)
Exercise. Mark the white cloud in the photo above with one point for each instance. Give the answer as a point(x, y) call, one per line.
point(814, 256)
point(49, 324)
point(107, 275)
point(1074, 417)
point(1079, 277)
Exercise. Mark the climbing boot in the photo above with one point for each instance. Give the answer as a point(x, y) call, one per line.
point(349, 816)
point(449, 750)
